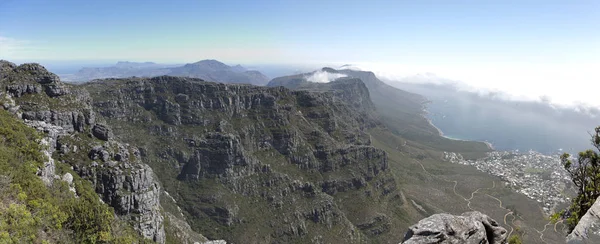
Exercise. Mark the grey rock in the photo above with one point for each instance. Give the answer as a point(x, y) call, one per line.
point(95, 153)
point(37, 73)
point(376, 226)
point(470, 227)
point(6, 67)
point(587, 229)
point(47, 172)
point(133, 193)
point(215, 242)
point(219, 154)
point(32, 78)
point(69, 120)
point(21, 89)
point(68, 178)
point(102, 132)
point(104, 155)
point(55, 90)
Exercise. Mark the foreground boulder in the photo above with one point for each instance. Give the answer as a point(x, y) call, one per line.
point(470, 227)
point(588, 227)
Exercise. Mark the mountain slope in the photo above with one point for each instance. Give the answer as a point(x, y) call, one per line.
point(273, 164)
point(121, 196)
point(54, 197)
point(427, 182)
point(402, 112)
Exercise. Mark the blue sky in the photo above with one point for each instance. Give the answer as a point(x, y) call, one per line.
point(465, 40)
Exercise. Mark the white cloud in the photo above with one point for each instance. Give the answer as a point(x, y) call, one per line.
point(323, 77)
point(564, 84)
point(11, 48)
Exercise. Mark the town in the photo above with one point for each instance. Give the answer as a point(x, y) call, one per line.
point(538, 176)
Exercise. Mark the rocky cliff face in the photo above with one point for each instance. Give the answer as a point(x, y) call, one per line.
point(256, 164)
point(401, 112)
point(75, 137)
point(587, 229)
point(471, 227)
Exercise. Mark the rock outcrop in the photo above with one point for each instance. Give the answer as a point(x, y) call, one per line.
point(123, 182)
point(470, 227)
point(587, 229)
point(101, 132)
point(65, 115)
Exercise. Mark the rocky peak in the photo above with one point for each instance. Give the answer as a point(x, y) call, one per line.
point(6, 67)
point(31, 78)
point(210, 63)
point(239, 68)
point(37, 73)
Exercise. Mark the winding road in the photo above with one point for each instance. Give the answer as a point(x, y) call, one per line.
point(508, 213)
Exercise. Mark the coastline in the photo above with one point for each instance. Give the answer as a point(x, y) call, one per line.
point(440, 133)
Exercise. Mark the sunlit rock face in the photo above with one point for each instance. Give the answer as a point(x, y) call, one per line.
point(587, 229)
point(470, 227)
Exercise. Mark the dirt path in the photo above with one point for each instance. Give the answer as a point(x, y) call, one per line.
point(563, 226)
point(542, 232)
point(468, 200)
point(509, 212)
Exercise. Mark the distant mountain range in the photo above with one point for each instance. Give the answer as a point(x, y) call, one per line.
point(209, 70)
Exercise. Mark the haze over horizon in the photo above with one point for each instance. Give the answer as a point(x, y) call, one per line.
point(528, 49)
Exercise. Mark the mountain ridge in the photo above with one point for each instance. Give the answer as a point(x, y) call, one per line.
point(209, 69)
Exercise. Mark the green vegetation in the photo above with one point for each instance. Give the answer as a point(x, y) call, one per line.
point(554, 218)
point(31, 212)
point(515, 239)
point(585, 174)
